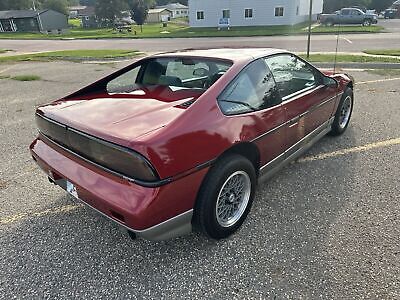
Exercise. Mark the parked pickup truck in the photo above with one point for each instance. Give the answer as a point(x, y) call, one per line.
point(349, 16)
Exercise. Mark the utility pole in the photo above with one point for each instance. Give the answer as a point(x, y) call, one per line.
point(309, 28)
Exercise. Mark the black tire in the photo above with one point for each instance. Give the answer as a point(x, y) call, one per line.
point(329, 23)
point(367, 22)
point(339, 126)
point(205, 212)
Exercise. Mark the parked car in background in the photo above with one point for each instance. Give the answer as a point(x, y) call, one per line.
point(181, 139)
point(390, 13)
point(349, 16)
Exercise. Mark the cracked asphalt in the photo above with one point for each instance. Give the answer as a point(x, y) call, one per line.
point(320, 229)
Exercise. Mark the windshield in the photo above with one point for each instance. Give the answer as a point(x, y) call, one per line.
point(174, 72)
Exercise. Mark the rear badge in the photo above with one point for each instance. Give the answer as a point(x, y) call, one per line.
point(71, 189)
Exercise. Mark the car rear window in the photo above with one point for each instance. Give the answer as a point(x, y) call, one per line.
point(175, 72)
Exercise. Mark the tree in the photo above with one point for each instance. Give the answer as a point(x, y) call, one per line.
point(15, 4)
point(165, 2)
point(57, 5)
point(108, 10)
point(380, 5)
point(333, 5)
point(139, 10)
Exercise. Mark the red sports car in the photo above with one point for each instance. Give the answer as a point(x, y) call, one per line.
point(179, 141)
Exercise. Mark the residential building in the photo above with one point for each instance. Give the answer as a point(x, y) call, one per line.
point(158, 15)
point(178, 10)
point(45, 21)
point(208, 13)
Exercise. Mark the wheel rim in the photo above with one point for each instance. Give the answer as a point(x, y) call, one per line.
point(345, 112)
point(233, 199)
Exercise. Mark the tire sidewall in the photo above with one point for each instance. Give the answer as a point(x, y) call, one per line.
point(336, 129)
point(205, 210)
point(367, 23)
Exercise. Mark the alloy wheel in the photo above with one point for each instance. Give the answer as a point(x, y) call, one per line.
point(345, 112)
point(233, 198)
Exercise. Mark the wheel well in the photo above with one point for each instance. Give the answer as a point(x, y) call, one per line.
point(350, 85)
point(247, 150)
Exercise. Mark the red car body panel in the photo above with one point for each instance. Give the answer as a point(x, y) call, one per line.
point(129, 204)
point(180, 142)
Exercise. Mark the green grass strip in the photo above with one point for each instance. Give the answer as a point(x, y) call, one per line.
point(184, 31)
point(74, 55)
point(344, 58)
point(26, 77)
point(392, 52)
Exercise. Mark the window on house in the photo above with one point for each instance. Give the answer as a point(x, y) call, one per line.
point(248, 13)
point(297, 10)
point(200, 15)
point(177, 12)
point(226, 13)
point(279, 11)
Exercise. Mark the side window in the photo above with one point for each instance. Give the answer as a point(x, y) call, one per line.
point(123, 83)
point(345, 12)
point(254, 89)
point(291, 74)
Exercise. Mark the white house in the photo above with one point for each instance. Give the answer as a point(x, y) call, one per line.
point(208, 13)
point(178, 10)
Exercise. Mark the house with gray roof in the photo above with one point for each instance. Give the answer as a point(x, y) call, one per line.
point(178, 10)
point(45, 21)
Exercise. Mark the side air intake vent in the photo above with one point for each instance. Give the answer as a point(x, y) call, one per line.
point(187, 103)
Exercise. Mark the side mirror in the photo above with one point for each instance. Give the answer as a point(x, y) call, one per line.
point(330, 82)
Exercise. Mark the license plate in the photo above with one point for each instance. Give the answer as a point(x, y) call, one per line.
point(71, 189)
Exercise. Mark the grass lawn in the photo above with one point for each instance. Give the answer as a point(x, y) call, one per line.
point(347, 29)
point(74, 23)
point(74, 55)
point(3, 51)
point(26, 77)
point(394, 52)
point(344, 58)
point(181, 30)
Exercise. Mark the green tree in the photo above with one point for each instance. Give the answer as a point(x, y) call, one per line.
point(108, 10)
point(165, 2)
point(57, 5)
point(380, 5)
point(15, 4)
point(333, 5)
point(139, 10)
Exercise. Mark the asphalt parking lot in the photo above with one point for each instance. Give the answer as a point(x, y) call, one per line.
point(327, 226)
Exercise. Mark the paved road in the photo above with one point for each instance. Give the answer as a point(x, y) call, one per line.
point(348, 42)
point(323, 228)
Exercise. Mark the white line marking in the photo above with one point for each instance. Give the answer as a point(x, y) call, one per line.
point(50, 211)
point(363, 148)
point(376, 81)
point(347, 40)
point(6, 69)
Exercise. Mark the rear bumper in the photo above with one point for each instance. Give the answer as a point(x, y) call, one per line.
point(153, 213)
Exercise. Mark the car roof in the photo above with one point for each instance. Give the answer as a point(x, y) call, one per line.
point(233, 54)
